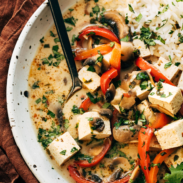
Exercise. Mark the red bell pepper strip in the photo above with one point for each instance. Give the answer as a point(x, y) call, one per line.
point(98, 31)
point(96, 160)
point(106, 78)
point(103, 49)
point(144, 138)
point(144, 65)
point(160, 121)
point(77, 177)
point(86, 104)
point(157, 162)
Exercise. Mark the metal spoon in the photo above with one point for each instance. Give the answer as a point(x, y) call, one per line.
point(66, 47)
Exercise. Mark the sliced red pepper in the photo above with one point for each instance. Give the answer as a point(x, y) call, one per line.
point(157, 162)
point(96, 160)
point(160, 121)
point(115, 60)
point(106, 78)
point(98, 31)
point(144, 138)
point(86, 104)
point(144, 65)
point(103, 49)
point(77, 177)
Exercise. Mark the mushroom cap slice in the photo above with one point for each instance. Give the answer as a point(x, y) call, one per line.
point(126, 133)
point(116, 22)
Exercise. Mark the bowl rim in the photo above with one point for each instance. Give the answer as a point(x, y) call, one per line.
point(10, 79)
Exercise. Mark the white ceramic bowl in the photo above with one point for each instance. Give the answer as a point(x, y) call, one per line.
point(18, 109)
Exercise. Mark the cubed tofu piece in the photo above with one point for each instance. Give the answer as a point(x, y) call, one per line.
point(144, 51)
point(106, 60)
point(144, 107)
point(90, 80)
point(171, 135)
point(118, 96)
point(143, 94)
point(170, 72)
point(180, 83)
point(175, 159)
point(85, 131)
point(172, 99)
point(63, 147)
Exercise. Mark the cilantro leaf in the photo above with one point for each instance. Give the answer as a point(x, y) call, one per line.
point(176, 174)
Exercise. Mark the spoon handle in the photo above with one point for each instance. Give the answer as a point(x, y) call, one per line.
point(64, 40)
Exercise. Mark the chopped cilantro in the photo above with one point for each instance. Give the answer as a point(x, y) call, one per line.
point(46, 45)
point(56, 64)
point(68, 28)
point(106, 105)
point(71, 9)
point(142, 76)
point(131, 8)
point(161, 39)
point(152, 93)
point(177, 64)
point(171, 32)
point(96, 9)
point(74, 149)
point(76, 110)
point(66, 125)
point(52, 34)
point(35, 85)
point(94, 98)
point(38, 100)
point(90, 33)
point(70, 20)
point(42, 40)
point(50, 92)
point(63, 152)
point(112, 44)
point(126, 19)
point(50, 113)
point(56, 40)
point(176, 174)
point(125, 39)
point(139, 17)
point(91, 69)
point(144, 85)
point(167, 65)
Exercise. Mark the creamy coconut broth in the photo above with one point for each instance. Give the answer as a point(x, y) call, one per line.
point(137, 107)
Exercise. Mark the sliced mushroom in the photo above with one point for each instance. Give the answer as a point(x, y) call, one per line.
point(135, 173)
point(116, 175)
point(126, 133)
point(116, 22)
point(98, 124)
point(110, 93)
point(94, 151)
point(104, 112)
point(96, 178)
point(90, 43)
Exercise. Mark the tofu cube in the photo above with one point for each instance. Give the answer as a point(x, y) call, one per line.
point(106, 60)
point(175, 159)
point(171, 135)
point(118, 96)
point(90, 80)
point(144, 52)
point(170, 72)
point(85, 131)
point(180, 83)
point(63, 148)
point(172, 99)
point(142, 94)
